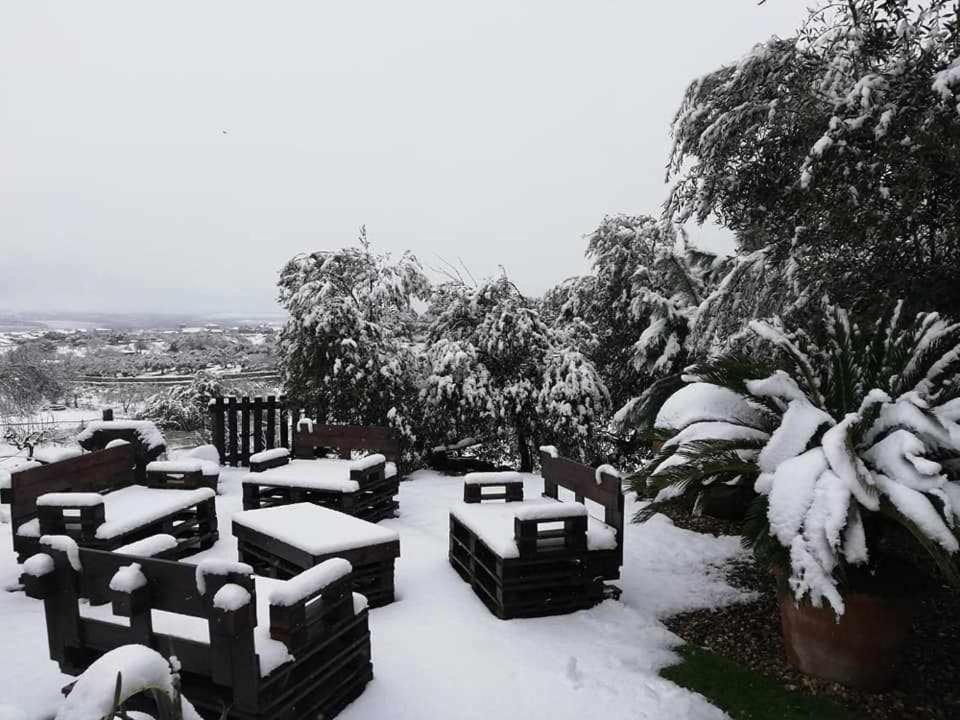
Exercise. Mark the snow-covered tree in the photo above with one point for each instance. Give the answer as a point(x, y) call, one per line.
point(604, 301)
point(27, 378)
point(457, 397)
point(573, 404)
point(491, 347)
point(845, 434)
point(632, 316)
point(346, 347)
point(837, 147)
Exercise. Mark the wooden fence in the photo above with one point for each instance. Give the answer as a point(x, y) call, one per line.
point(243, 426)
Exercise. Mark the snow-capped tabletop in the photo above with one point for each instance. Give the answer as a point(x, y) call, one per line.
point(314, 529)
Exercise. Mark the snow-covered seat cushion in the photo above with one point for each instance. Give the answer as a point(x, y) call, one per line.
point(321, 474)
point(493, 523)
point(132, 507)
point(273, 653)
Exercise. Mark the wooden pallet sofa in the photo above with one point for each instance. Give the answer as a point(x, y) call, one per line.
point(365, 487)
point(94, 499)
point(283, 541)
point(539, 556)
point(264, 649)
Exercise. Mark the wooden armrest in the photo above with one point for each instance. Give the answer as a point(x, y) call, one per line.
point(512, 491)
point(311, 602)
point(375, 470)
point(55, 520)
point(532, 540)
point(261, 465)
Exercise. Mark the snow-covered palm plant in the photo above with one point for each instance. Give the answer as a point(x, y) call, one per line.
point(844, 433)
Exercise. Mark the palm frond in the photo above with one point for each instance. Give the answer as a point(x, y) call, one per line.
point(945, 562)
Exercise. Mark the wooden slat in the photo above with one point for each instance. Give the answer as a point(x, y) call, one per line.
point(284, 422)
point(271, 421)
point(216, 410)
point(244, 429)
point(257, 424)
point(233, 450)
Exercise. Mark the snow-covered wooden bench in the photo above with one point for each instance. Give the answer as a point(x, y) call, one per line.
point(283, 541)
point(540, 556)
point(183, 474)
point(94, 499)
point(147, 440)
point(312, 440)
point(262, 648)
point(355, 487)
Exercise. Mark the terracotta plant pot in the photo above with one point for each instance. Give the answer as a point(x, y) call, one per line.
point(859, 650)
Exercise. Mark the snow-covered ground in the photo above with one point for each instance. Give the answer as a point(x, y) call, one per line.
point(438, 652)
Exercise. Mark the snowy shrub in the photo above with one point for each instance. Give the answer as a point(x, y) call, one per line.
point(346, 348)
point(845, 434)
point(838, 148)
point(183, 407)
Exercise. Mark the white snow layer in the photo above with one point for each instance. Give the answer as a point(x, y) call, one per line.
point(38, 565)
point(491, 478)
point(370, 461)
point(128, 578)
point(701, 402)
point(65, 544)
point(543, 511)
point(70, 499)
point(149, 546)
point(273, 454)
point(231, 597)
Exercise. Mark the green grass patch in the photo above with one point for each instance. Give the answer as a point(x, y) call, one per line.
point(744, 694)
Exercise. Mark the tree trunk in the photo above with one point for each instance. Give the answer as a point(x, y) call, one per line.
point(523, 445)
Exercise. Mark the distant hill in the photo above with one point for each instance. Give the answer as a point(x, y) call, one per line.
point(14, 321)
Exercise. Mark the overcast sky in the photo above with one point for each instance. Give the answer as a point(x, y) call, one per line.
point(171, 156)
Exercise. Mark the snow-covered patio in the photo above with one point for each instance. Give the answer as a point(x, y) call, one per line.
point(438, 652)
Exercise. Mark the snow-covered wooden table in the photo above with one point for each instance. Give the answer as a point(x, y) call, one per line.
point(283, 541)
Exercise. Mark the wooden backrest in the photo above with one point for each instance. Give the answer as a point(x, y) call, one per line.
point(344, 439)
point(582, 481)
point(173, 585)
point(94, 472)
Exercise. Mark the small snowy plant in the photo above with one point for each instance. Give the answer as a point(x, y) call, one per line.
point(103, 690)
point(845, 434)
